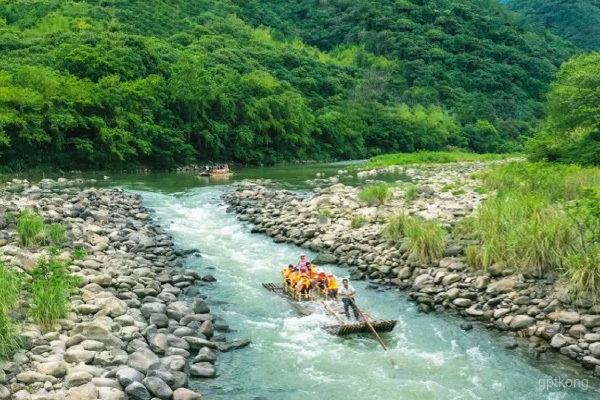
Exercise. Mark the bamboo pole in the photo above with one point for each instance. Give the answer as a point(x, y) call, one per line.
point(369, 325)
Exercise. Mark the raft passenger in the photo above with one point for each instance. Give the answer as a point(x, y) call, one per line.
point(302, 264)
point(332, 287)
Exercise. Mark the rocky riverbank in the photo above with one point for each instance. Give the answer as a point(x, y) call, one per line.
point(139, 326)
point(520, 303)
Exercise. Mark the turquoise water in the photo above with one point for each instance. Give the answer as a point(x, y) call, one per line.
point(291, 357)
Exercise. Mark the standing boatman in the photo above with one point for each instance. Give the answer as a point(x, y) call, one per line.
point(347, 292)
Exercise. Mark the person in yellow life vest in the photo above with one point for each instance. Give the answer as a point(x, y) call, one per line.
point(294, 278)
point(332, 286)
point(287, 272)
point(303, 285)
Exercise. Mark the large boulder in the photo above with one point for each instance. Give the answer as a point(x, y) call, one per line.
point(325, 258)
point(199, 306)
point(148, 309)
point(99, 330)
point(590, 321)
point(55, 368)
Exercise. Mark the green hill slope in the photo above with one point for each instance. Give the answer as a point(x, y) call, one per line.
point(112, 83)
point(577, 21)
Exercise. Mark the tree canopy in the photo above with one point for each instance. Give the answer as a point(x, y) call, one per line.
point(571, 131)
point(577, 21)
point(113, 83)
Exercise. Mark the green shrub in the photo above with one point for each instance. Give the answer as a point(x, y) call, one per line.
point(380, 192)
point(426, 239)
point(394, 229)
point(52, 285)
point(357, 221)
point(410, 193)
point(9, 335)
point(55, 233)
point(30, 227)
point(458, 192)
point(79, 253)
point(325, 212)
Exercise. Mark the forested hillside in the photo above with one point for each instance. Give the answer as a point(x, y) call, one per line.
point(575, 20)
point(112, 83)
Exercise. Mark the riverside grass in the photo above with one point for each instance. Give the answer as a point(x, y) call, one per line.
point(527, 223)
point(50, 291)
point(380, 192)
point(30, 227)
point(434, 157)
point(10, 292)
point(426, 239)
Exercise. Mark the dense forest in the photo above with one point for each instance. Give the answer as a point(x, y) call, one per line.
point(113, 83)
point(574, 20)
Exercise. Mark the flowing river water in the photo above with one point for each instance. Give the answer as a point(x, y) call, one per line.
point(291, 358)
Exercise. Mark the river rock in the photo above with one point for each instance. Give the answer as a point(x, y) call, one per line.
point(57, 369)
point(203, 370)
point(567, 317)
point(501, 286)
point(559, 340)
point(31, 377)
point(142, 360)
point(83, 392)
point(590, 321)
point(205, 354)
point(450, 279)
point(178, 310)
point(234, 345)
point(186, 394)
point(148, 309)
point(521, 322)
point(199, 306)
point(126, 376)
point(325, 258)
point(137, 391)
point(78, 378)
point(594, 349)
point(462, 302)
point(158, 388)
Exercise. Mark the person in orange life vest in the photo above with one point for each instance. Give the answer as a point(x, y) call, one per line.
point(302, 265)
point(332, 286)
point(322, 279)
point(303, 286)
point(312, 272)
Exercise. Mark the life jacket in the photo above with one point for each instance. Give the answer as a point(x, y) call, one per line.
point(312, 272)
point(321, 277)
point(294, 278)
point(286, 272)
point(332, 283)
point(304, 283)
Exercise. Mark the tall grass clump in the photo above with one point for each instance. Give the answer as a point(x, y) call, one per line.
point(426, 239)
point(380, 192)
point(10, 291)
point(55, 233)
point(52, 285)
point(357, 221)
point(30, 227)
point(394, 229)
point(9, 335)
point(410, 193)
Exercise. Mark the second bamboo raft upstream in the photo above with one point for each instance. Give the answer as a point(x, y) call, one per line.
point(335, 311)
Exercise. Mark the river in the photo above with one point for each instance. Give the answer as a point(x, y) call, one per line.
point(291, 358)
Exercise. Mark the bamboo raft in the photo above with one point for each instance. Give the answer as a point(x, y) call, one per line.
point(334, 310)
